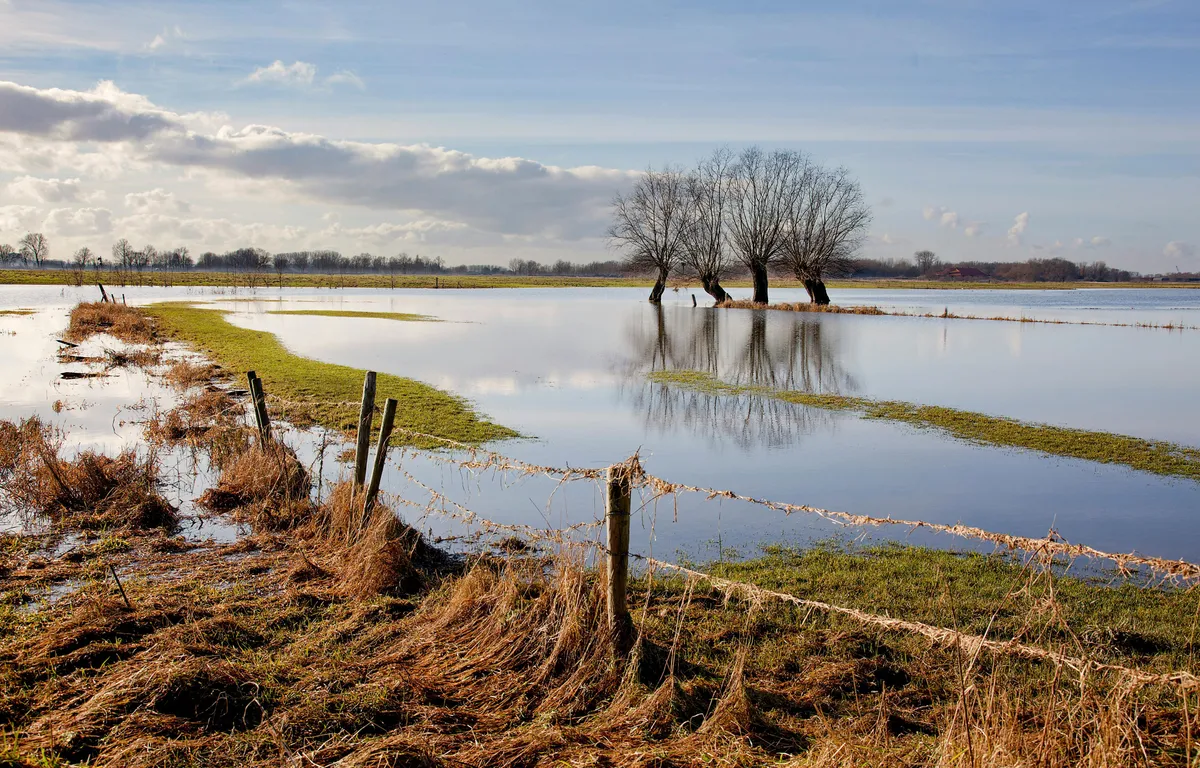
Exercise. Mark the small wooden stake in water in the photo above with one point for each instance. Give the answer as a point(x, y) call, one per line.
point(103, 294)
point(116, 579)
point(616, 515)
point(366, 414)
point(385, 434)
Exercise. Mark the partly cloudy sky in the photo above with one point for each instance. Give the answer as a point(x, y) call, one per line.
point(480, 131)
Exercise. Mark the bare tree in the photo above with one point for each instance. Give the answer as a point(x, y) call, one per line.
point(123, 258)
point(827, 224)
point(761, 191)
point(704, 249)
point(34, 248)
point(280, 262)
point(927, 261)
point(79, 263)
point(649, 224)
point(8, 253)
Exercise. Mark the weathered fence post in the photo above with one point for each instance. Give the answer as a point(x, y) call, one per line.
point(616, 516)
point(385, 434)
point(258, 403)
point(103, 293)
point(366, 414)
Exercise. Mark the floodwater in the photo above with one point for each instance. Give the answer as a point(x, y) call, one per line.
point(567, 368)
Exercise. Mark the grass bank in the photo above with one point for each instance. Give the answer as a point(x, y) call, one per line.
point(307, 280)
point(401, 316)
point(1156, 456)
point(314, 392)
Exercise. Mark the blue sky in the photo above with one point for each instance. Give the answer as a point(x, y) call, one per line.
point(980, 130)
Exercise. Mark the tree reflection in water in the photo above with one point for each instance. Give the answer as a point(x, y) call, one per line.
point(738, 347)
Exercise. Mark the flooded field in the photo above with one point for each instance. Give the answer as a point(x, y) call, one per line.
point(567, 368)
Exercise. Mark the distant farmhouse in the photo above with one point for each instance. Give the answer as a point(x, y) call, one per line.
point(962, 273)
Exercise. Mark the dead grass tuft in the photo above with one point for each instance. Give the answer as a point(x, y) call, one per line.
point(126, 323)
point(90, 492)
point(265, 485)
point(186, 374)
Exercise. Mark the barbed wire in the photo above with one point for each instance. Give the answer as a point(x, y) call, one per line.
point(940, 635)
point(482, 459)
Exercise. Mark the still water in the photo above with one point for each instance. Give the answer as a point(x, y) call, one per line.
point(567, 367)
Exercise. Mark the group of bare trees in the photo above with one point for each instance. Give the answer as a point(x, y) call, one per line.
point(33, 249)
point(765, 210)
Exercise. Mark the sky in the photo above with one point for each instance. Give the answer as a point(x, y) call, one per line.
point(481, 131)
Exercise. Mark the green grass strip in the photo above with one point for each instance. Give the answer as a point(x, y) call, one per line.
point(403, 316)
point(980, 593)
point(1157, 456)
point(325, 389)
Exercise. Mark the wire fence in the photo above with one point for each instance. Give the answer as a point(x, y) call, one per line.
point(621, 478)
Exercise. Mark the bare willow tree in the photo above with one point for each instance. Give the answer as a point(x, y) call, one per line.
point(705, 253)
point(927, 261)
point(827, 223)
point(649, 224)
point(79, 264)
point(761, 192)
point(34, 248)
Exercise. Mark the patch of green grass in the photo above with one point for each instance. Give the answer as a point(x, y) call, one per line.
point(1156, 456)
point(403, 316)
point(325, 391)
point(982, 593)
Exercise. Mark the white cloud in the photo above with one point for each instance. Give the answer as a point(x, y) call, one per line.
point(162, 39)
point(943, 216)
point(19, 218)
point(1100, 242)
point(104, 114)
point(37, 190)
point(1179, 250)
point(1017, 230)
point(299, 73)
point(509, 195)
point(77, 222)
point(346, 77)
point(156, 200)
point(974, 229)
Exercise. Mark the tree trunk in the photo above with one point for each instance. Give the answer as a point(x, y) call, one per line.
point(713, 288)
point(660, 287)
point(760, 284)
point(816, 290)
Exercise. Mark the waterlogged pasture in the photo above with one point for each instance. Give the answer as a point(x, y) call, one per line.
point(568, 368)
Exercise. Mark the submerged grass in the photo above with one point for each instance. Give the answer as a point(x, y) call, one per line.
point(315, 392)
point(1156, 456)
point(402, 316)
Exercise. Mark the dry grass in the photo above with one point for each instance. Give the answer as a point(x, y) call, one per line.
point(803, 307)
point(265, 485)
point(185, 374)
point(208, 421)
point(91, 491)
point(250, 655)
point(126, 323)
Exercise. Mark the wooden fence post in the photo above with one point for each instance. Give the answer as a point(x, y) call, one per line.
point(385, 434)
point(258, 404)
point(616, 516)
point(103, 294)
point(366, 414)
point(251, 377)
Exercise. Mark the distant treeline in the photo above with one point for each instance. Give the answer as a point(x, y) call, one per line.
point(33, 251)
point(1054, 270)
